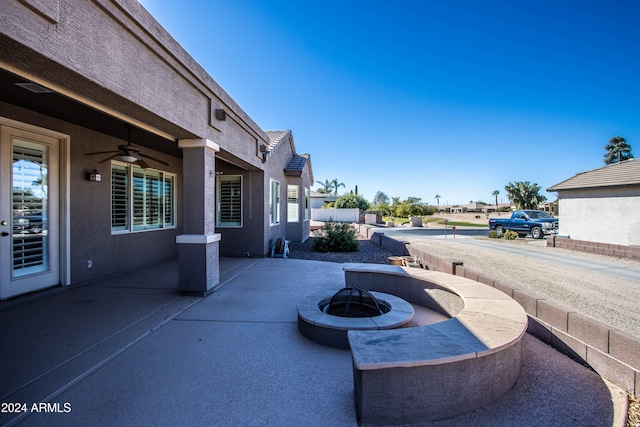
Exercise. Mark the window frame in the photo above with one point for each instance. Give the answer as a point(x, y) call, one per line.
point(291, 205)
point(166, 208)
point(274, 202)
point(231, 224)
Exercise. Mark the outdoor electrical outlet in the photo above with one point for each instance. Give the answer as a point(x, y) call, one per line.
point(89, 263)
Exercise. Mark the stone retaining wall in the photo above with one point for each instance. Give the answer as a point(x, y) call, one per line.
point(613, 354)
point(632, 252)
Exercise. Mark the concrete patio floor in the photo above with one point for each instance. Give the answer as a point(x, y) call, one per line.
point(130, 350)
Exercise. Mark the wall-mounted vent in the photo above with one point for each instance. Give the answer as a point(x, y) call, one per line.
point(33, 87)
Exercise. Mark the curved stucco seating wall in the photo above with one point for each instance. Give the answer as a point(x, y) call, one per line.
point(434, 372)
point(613, 354)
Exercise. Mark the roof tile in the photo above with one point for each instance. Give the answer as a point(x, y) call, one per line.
point(620, 174)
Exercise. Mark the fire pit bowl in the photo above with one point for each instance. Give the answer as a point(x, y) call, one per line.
point(326, 318)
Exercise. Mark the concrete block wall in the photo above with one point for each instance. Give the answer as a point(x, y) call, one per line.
point(337, 215)
point(632, 252)
point(613, 354)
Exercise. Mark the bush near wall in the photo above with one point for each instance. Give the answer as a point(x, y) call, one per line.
point(335, 237)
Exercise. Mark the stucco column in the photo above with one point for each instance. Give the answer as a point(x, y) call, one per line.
point(198, 247)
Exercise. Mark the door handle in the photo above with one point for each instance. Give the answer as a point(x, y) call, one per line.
point(4, 234)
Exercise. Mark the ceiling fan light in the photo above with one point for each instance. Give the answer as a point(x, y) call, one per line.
point(128, 159)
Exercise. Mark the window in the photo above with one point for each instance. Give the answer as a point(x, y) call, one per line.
point(229, 201)
point(147, 199)
point(169, 202)
point(119, 198)
point(293, 207)
point(274, 202)
point(141, 199)
point(306, 203)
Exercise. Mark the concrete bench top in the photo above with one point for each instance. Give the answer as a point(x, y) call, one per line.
point(489, 321)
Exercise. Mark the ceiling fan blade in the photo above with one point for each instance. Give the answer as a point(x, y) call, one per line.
point(141, 163)
point(110, 157)
point(154, 159)
point(101, 152)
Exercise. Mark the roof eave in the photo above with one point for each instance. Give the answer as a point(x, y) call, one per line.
point(556, 188)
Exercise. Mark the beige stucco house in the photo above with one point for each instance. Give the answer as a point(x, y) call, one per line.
point(602, 205)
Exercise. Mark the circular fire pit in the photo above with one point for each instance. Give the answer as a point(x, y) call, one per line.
point(326, 318)
point(354, 302)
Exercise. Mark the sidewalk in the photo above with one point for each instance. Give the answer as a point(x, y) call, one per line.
point(130, 350)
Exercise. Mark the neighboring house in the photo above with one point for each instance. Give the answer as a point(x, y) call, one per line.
point(469, 207)
point(457, 209)
point(118, 150)
point(602, 205)
point(501, 207)
point(319, 200)
point(549, 207)
point(477, 207)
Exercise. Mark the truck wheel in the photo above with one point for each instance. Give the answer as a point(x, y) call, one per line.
point(536, 233)
point(499, 230)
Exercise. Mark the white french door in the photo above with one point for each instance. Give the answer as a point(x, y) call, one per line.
point(29, 211)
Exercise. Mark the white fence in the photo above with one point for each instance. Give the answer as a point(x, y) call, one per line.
point(338, 215)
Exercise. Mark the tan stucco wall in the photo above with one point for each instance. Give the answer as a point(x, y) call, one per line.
point(116, 57)
point(606, 216)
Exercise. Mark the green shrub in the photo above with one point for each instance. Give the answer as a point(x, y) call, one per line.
point(493, 235)
point(335, 237)
point(352, 201)
point(510, 235)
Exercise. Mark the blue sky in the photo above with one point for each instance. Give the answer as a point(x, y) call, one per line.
point(418, 98)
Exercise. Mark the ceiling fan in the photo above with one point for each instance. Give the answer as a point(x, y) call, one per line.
point(128, 153)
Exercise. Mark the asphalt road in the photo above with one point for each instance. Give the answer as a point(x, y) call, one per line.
point(604, 288)
point(611, 267)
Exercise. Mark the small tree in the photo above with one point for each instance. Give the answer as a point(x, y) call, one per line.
point(381, 203)
point(438, 200)
point(393, 208)
point(495, 193)
point(413, 206)
point(618, 150)
point(524, 194)
point(350, 201)
point(380, 198)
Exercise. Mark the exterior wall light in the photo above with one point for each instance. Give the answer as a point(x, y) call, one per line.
point(220, 114)
point(94, 175)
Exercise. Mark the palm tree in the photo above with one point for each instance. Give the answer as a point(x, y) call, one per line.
point(335, 184)
point(618, 150)
point(495, 193)
point(438, 199)
point(326, 186)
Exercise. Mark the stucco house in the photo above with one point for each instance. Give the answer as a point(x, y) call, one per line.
point(118, 150)
point(601, 206)
point(319, 200)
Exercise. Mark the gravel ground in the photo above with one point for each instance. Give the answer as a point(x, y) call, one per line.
point(610, 300)
point(367, 253)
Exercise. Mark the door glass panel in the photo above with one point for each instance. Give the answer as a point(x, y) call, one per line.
point(30, 252)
